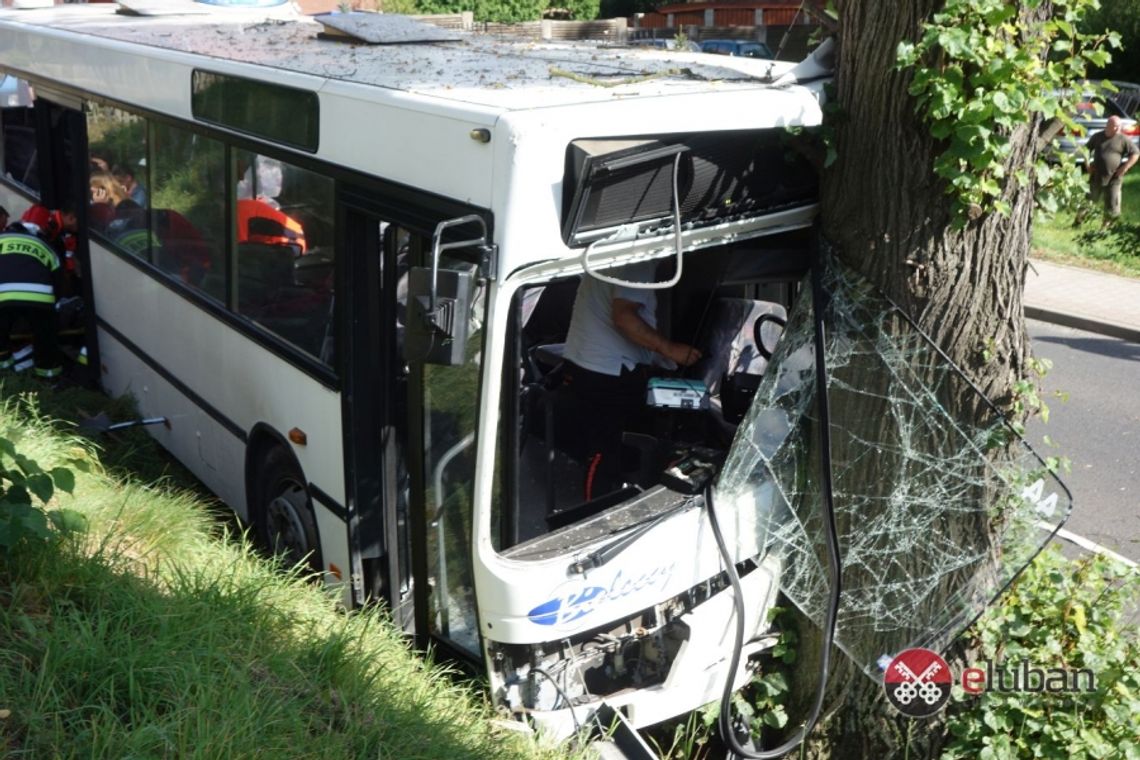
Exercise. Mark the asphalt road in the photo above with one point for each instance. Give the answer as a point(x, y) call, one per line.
point(1098, 429)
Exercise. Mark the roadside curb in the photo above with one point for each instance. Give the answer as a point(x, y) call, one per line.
point(1088, 324)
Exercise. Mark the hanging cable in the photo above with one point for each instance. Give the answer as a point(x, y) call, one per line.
point(724, 720)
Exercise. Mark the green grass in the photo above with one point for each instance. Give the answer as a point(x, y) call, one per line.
point(160, 633)
point(1115, 249)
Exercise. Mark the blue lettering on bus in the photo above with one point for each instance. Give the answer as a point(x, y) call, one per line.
point(566, 609)
point(573, 601)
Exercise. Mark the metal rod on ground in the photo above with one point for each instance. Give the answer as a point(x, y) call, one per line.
point(101, 423)
point(136, 423)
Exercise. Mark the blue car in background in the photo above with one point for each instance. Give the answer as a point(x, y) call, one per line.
point(743, 48)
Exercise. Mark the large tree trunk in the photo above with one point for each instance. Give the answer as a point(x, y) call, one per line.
point(888, 216)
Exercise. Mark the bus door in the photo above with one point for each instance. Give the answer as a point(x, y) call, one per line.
point(373, 410)
point(443, 350)
point(61, 128)
point(60, 153)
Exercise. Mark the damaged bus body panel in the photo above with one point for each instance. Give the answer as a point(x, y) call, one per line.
point(626, 599)
point(632, 606)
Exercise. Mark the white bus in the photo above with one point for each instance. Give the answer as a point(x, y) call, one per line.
point(343, 273)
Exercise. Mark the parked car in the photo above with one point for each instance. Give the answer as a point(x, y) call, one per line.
point(744, 48)
point(665, 43)
point(1092, 114)
point(1127, 96)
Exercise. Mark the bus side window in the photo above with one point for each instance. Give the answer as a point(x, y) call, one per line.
point(17, 120)
point(117, 165)
point(285, 251)
point(188, 204)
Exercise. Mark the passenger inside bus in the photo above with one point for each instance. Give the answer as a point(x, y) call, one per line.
point(260, 222)
point(114, 213)
point(108, 200)
point(612, 348)
point(125, 176)
point(180, 246)
point(673, 423)
point(285, 274)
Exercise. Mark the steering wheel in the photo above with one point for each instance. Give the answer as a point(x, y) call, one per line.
point(757, 332)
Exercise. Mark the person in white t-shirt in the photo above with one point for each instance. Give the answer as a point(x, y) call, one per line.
point(612, 345)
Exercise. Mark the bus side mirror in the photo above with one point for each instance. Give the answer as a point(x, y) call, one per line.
point(438, 334)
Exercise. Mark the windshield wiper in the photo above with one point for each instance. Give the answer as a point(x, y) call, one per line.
point(604, 554)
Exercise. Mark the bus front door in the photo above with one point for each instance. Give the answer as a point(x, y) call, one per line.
point(443, 381)
point(411, 462)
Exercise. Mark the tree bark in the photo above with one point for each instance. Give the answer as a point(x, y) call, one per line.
point(888, 216)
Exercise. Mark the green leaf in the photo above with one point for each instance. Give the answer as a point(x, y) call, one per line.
point(41, 485)
point(27, 466)
point(17, 494)
point(68, 521)
point(905, 54)
point(940, 130)
point(832, 155)
point(64, 479)
point(777, 717)
point(778, 682)
point(35, 523)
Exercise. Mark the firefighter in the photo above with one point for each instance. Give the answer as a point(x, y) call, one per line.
point(259, 222)
point(31, 276)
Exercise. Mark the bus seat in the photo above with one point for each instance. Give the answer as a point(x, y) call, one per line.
point(183, 250)
point(261, 270)
point(547, 318)
point(730, 340)
point(549, 355)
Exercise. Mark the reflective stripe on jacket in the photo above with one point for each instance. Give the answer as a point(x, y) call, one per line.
point(28, 268)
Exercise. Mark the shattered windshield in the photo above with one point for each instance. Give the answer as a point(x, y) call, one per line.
point(936, 515)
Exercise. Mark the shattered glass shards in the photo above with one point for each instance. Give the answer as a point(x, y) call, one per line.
point(936, 514)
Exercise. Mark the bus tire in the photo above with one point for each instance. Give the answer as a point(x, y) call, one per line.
point(284, 520)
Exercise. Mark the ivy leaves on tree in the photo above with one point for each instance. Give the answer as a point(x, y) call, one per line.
point(984, 68)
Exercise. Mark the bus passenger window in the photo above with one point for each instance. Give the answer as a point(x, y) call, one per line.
point(187, 208)
point(19, 129)
point(117, 166)
point(285, 251)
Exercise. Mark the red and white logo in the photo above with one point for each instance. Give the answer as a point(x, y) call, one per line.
point(917, 682)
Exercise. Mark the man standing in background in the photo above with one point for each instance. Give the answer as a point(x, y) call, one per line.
point(1111, 155)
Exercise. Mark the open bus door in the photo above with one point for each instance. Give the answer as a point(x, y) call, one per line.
point(445, 312)
point(57, 170)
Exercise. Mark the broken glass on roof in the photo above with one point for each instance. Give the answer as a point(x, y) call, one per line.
point(936, 515)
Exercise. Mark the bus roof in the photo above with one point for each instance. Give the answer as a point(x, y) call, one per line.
point(477, 70)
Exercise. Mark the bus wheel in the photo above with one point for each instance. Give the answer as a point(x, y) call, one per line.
point(286, 525)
